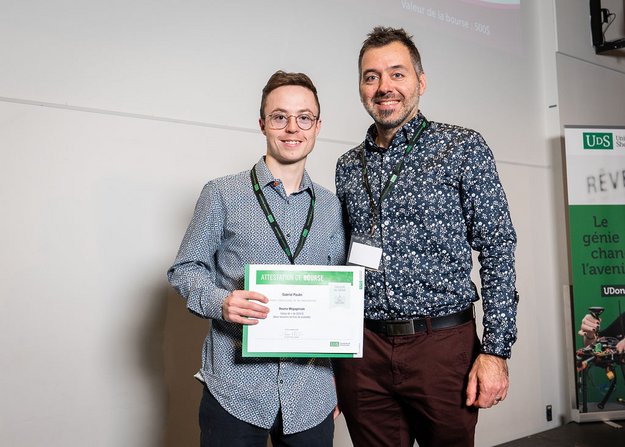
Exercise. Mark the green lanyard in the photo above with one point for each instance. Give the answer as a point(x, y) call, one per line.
point(274, 225)
point(390, 183)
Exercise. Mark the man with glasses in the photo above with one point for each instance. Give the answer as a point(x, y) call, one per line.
point(273, 214)
point(420, 196)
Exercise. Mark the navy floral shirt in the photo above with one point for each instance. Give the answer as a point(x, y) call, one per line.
point(447, 201)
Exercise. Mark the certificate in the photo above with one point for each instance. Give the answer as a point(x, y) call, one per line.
point(314, 311)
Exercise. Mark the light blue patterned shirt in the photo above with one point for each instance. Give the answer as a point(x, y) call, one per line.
point(447, 201)
point(229, 230)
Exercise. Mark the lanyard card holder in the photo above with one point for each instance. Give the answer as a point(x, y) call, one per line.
point(365, 251)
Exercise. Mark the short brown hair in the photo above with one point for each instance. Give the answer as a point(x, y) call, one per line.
point(381, 36)
point(280, 79)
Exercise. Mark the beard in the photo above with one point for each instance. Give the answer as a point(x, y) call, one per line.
point(393, 119)
point(385, 120)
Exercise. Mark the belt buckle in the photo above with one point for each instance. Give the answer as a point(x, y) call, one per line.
point(399, 327)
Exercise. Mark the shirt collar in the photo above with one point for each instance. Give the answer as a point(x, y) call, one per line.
point(266, 178)
point(403, 135)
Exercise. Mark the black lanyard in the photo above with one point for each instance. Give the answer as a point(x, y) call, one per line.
point(274, 225)
point(390, 183)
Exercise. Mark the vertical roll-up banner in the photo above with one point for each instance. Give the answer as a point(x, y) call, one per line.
point(595, 167)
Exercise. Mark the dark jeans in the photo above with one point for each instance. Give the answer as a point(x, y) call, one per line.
point(220, 429)
point(408, 388)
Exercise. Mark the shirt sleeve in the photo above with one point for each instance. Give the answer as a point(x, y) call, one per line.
point(193, 272)
point(338, 240)
point(340, 179)
point(491, 234)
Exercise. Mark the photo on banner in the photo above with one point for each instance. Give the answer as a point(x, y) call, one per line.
point(595, 167)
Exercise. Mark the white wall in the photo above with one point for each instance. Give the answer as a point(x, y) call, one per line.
point(114, 114)
point(591, 86)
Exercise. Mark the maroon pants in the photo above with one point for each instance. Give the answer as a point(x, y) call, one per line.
point(409, 388)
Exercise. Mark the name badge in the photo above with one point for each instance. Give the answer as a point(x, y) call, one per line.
point(364, 251)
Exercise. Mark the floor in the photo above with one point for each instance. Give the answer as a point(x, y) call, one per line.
point(587, 434)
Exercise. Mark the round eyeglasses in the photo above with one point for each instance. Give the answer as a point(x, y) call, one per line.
point(279, 120)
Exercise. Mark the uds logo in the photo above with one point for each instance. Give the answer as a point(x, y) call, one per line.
point(598, 140)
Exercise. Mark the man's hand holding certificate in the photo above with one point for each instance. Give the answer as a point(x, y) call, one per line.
point(314, 311)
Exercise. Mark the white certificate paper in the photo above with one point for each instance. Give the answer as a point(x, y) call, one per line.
point(314, 311)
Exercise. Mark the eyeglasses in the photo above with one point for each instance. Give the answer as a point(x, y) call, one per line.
point(280, 120)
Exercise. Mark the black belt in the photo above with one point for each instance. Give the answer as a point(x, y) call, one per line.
point(393, 328)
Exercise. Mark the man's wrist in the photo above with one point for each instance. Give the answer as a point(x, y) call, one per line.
point(494, 354)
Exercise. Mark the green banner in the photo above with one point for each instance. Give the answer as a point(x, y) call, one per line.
point(595, 159)
point(598, 259)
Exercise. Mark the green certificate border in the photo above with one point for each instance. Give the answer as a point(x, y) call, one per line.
point(327, 276)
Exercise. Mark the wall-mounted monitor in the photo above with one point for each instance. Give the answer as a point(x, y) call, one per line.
point(599, 16)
